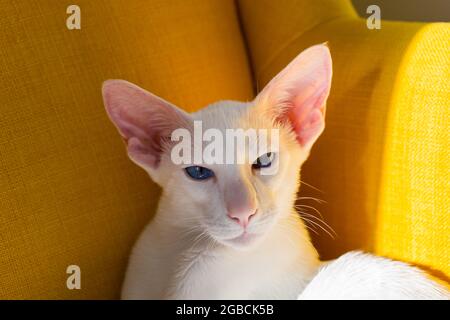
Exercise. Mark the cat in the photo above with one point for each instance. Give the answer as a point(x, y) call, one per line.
point(228, 231)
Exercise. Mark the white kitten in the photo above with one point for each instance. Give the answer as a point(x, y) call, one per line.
point(230, 232)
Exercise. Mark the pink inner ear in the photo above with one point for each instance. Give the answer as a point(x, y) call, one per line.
point(309, 128)
point(142, 153)
point(300, 92)
point(144, 120)
point(307, 115)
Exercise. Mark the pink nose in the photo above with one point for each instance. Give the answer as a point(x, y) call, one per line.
point(242, 216)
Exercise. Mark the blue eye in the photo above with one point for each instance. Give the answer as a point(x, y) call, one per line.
point(264, 161)
point(199, 173)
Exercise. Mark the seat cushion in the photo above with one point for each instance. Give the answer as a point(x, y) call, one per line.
point(68, 193)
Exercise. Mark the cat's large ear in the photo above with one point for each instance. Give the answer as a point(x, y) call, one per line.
point(299, 92)
point(144, 120)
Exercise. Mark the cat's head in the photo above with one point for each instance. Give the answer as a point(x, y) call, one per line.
point(234, 203)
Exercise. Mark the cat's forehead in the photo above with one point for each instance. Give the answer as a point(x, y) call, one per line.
point(231, 115)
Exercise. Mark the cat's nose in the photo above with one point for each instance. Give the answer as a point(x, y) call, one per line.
point(242, 216)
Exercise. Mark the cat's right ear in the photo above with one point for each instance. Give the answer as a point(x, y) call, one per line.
point(297, 95)
point(144, 120)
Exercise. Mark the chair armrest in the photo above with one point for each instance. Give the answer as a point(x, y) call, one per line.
point(414, 212)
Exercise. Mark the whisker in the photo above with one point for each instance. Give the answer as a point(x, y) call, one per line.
point(312, 198)
point(310, 207)
point(322, 221)
point(311, 186)
point(320, 226)
point(330, 230)
point(310, 227)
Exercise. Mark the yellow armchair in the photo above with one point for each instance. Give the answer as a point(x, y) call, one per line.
point(383, 162)
point(69, 195)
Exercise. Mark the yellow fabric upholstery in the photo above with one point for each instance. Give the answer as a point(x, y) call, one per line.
point(68, 193)
point(383, 162)
point(414, 209)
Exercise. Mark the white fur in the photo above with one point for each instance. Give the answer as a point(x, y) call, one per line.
point(356, 275)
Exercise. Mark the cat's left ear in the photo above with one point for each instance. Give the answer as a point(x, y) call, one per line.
point(144, 120)
point(298, 94)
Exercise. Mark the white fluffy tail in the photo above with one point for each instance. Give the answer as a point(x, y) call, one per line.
point(356, 275)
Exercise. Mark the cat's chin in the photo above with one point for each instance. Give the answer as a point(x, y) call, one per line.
point(244, 241)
